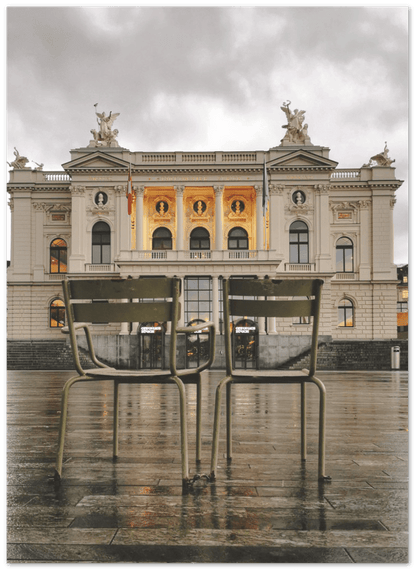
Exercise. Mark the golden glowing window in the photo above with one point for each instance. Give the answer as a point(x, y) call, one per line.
point(58, 256)
point(57, 313)
point(346, 313)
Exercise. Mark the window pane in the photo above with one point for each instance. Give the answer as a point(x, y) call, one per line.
point(349, 317)
point(348, 260)
point(293, 257)
point(303, 253)
point(340, 260)
point(96, 254)
point(54, 264)
point(232, 244)
point(106, 255)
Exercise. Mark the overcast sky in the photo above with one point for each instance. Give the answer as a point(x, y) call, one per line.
point(214, 78)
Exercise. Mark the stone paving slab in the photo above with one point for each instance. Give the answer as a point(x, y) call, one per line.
point(266, 506)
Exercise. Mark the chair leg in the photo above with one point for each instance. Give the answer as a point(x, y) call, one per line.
point(184, 433)
point(321, 446)
point(217, 419)
point(116, 418)
point(198, 418)
point(303, 420)
point(228, 416)
point(62, 425)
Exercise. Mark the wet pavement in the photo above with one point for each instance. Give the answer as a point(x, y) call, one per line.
point(266, 506)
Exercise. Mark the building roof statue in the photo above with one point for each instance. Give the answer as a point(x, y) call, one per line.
point(296, 133)
point(383, 159)
point(19, 161)
point(105, 136)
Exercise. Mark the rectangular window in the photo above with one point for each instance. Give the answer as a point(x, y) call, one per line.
point(197, 298)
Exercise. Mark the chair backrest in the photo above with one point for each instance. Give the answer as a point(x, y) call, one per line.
point(130, 300)
point(267, 307)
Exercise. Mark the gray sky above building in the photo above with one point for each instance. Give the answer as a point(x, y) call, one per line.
point(211, 78)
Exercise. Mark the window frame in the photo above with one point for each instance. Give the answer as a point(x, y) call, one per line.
point(294, 240)
point(57, 309)
point(343, 248)
point(237, 238)
point(58, 249)
point(169, 238)
point(345, 317)
point(95, 234)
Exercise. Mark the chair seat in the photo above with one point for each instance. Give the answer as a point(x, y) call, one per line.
point(269, 375)
point(154, 375)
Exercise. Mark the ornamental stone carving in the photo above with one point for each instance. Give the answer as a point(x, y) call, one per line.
point(179, 190)
point(19, 161)
point(381, 160)
point(296, 132)
point(105, 136)
point(218, 190)
point(322, 188)
point(277, 189)
point(77, 190)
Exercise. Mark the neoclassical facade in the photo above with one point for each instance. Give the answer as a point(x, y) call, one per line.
point(203, 216)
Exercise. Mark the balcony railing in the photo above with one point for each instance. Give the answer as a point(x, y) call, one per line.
point(346, 276)
point(299, 267)
point(99, 268)
point(186, 255)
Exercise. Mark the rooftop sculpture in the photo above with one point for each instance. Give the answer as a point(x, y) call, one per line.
point(19, 162)
point(105, 136)
point(381, 160)
point(296, 133)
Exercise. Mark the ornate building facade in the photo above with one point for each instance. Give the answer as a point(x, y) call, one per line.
point(203, 216)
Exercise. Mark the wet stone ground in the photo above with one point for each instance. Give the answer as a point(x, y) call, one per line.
point(266, 505)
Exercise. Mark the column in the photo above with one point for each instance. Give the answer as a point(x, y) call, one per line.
point(38, 267)
point(259, 218)
point(122, 222)
point(277, 221)
point(365, 242)
point(78, 236)
point(323, 255)
point(179, 216)
point(139, 217)
point(271, 324)
point(262, 321)
point(181, 320)
point(218, 217)
point(124, 325)
point(215, 303)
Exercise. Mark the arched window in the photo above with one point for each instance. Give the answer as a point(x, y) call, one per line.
point(58, 257)
point(299, 243)
point(237, 239)
point(101, 243)
point(199, 239)
point(162, 239)
point(57, 313)
point(346, 313)
point(345, 255)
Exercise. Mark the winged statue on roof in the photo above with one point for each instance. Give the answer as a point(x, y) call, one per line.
point(106, 135)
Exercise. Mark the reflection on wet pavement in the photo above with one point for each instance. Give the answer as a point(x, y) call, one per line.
point(265, 506)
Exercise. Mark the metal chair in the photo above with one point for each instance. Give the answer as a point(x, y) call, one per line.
point(271, 308)
point(161, 297)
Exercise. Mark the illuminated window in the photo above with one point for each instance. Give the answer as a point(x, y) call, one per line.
point(58, 257)
point(405, 294)
point(346, 313)
point(237, 239)
point(345, 255)
point(101, 243)
point(199, 239)
point(162, 239)
point(405, 279)
point(57, 313)
point(299, 243)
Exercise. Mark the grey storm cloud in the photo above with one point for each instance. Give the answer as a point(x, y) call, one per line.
point(205, 78)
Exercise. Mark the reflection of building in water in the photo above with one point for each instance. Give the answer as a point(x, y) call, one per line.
point(200, 216)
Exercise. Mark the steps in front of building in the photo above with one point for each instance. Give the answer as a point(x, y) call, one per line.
point(354, 356)
point(42, 355)
point(332, 356)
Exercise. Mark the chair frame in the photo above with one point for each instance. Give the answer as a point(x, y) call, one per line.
point(120, 289)
point(271, 308)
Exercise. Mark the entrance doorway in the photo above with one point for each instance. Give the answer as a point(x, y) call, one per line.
point(152, 345)
point(245, 340)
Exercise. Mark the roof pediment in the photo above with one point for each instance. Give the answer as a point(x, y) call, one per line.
point(301, 159)
point(96, 161)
